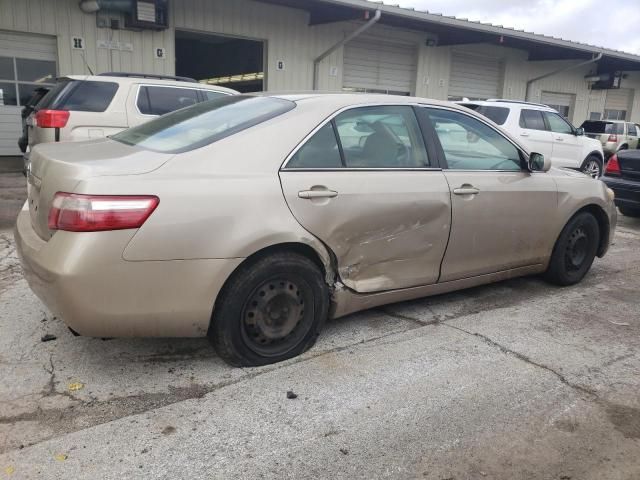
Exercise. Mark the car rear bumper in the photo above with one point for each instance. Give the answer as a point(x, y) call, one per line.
point(627, 191)
point(82, 278)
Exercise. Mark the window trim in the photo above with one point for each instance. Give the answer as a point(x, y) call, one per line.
point(138, 87)
point(443, 158)
point(331, 119)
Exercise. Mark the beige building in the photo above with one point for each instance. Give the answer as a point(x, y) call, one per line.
point(302, 45)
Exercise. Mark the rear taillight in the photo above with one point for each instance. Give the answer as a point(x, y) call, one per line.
point(93, 213)
point(613, 138)
point(613, 166)
point(52, 118)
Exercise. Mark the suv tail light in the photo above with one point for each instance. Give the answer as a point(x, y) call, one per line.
point(52, 118)
point(613, 166)
point(93, 213)
point(613, 138)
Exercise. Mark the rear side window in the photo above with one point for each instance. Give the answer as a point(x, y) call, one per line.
point(153, 100)
point(497, 115)
point(631, 128)
point(532, 120)
point(211, 95)
point(320, 151)
point(85, 96)
point(603, 127)
point(204, 123)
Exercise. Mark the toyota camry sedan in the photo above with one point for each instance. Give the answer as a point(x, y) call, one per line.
point(253, 219)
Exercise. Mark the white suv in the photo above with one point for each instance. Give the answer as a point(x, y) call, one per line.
point(83, 107)
point(543, 130)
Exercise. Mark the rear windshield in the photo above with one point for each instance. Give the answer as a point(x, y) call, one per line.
point(80, 96)
point(591, 126)
point(204, 123)
point(497, 115)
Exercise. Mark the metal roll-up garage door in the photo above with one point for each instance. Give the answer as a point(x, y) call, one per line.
point(382, 67)
point(562, 102)
point(617, 103)
point(474, 77)
point(26, 61)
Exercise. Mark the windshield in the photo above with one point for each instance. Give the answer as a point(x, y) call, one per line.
point(497, 115)
point(204, 123)
point(603, 127)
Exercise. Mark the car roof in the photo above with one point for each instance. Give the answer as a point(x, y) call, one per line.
point(345, 99)
point(507, 104)
point(122, 80)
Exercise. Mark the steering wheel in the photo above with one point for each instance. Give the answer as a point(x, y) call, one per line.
point(403, 152)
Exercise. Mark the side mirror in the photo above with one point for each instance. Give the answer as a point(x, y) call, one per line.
point(537, 163)
point(579, 132)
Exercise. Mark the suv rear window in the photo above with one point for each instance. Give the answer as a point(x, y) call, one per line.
point(497, 115)
point(80, 96)
point(591, 126)
point(204, 123)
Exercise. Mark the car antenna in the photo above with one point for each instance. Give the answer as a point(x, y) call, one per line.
point(86, 64)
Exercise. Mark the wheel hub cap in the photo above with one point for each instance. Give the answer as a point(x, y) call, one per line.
point(577, 249)
point(592, 169)
point(272, 315)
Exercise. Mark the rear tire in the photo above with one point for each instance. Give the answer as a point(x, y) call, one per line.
point(574, 250)
point(592, 166)
point(270, 310)
point(630, 212)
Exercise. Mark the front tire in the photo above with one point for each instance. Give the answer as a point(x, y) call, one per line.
point(574, 250)
point(270, 310)
point(592, 166)
point(630, 212)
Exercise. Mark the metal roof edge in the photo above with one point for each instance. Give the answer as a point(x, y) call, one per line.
point(426, 16)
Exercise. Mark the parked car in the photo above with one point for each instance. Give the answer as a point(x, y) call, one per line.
point(544, 130)
point(26, 111)
point(622, 175)
point(614, 135)
point(254, 218)
point(81, 107)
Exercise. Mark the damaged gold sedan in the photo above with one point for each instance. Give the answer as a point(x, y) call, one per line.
point(254, 218)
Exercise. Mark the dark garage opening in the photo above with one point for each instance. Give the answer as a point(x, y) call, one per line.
point(219, 60)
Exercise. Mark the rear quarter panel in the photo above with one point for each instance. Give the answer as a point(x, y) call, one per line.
point(220, 201)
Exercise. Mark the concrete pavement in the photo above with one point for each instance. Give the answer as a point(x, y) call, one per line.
point(518, 380)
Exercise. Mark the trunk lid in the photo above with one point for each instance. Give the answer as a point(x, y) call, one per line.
point(629, 161)
point(60, 167)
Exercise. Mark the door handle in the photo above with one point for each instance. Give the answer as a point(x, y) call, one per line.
point(560, 139)
point(310, 194)
point(524, 134)
point(466, 189)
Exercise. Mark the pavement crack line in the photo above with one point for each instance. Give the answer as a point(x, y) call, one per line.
point(524, 358)
point(104, 410)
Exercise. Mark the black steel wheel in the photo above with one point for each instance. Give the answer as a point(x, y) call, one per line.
point(270, 310)
point(574, 251)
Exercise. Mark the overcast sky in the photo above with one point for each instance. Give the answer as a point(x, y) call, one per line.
point(611, 23)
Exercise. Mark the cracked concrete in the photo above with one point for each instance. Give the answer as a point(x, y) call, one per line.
point(514, 380)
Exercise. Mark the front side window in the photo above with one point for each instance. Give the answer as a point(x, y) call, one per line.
point(469, 144)
point(204, 123)
point(532, 120)
point(381, 137)
point(162, 100)
point(557, 124)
